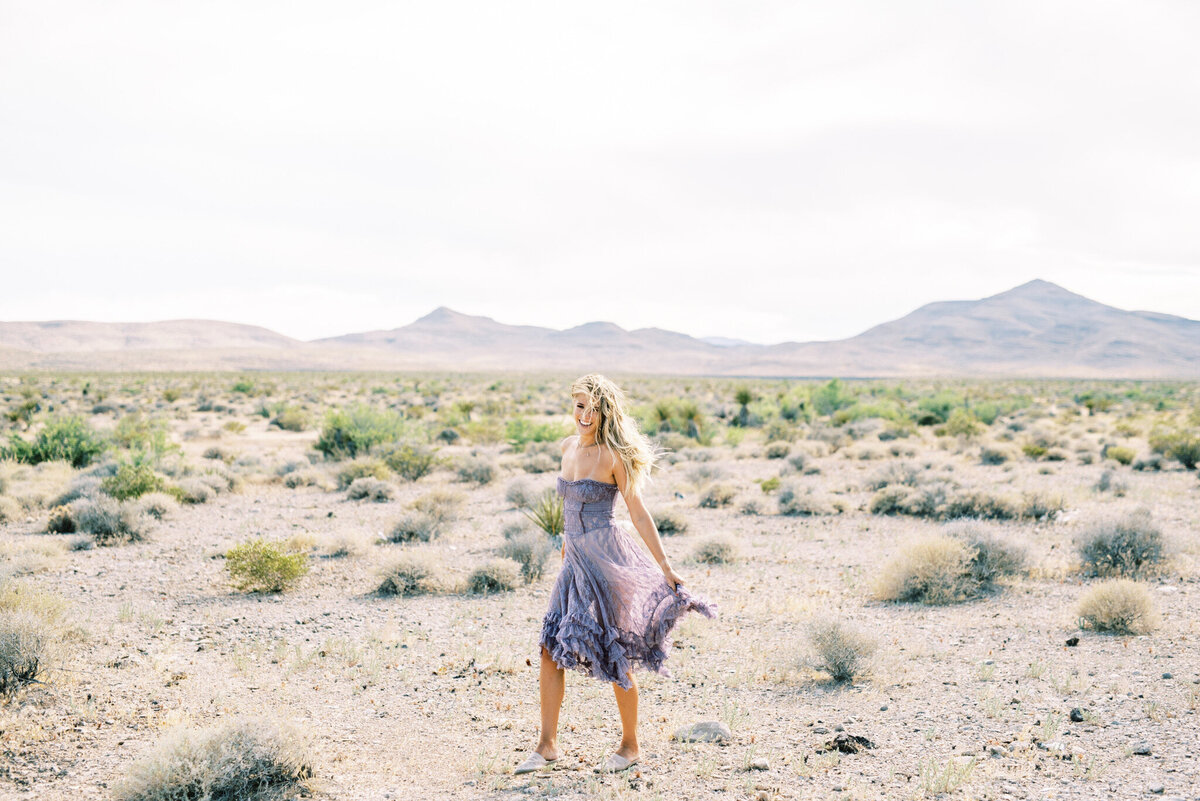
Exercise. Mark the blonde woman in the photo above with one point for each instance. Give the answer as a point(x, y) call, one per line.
point(613, 605)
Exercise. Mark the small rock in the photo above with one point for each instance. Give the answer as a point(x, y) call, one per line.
point(1072, 642)
point(996, 750)
point(1077, 715)
point(760, 764)
point(883, 708)
point(1141, 748)
point(1053, 746)
point(839, 727)
point(1168, 676)
point(820, 730)
point(1156, 789)
point(709, 731)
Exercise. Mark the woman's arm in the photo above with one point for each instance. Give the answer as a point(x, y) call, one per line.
point(644, 524)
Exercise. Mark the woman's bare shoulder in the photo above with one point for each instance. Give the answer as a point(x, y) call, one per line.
point(569, 440)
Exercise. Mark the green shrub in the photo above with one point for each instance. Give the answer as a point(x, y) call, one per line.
point(62, 439)
point(547, 514)
point(778, 450)
point(715, 551)
point(141, 433)
point(961, 423)
point(411, 461)
point(477, 470)
point(415, 527)
point(1117, 606)
point(411, 574)
point(369, 489)
point(496, 575)
point(363, 467)
point(261, 566)
point(530, 550)
point(348, 433)
point(1180, 445)
point(1120, 453)
point(519, 431)
point(290, 418)
point(769, 485)
point(246, 760)
point(1131, 545)
point(839, 650)
point(133, 479)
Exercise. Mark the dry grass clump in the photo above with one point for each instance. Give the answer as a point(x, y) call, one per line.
point(1119, 453)
point(302, 478)
point(363, 467)
point(1117, 606)
point(240, 761)
point(477, 470)
point(520, 493)
point(1109, 482)
point(195, 490)
point(496, 575)
point(530, 550)
point(370, 489)
point(950, 567)
point(777, 450)
point(795, 500)
point(839, 651)
point(21, 557)
point(158, 505)
point(349, 543)
point(995, 454)
point(108, 521)
point(413, 573)
point(670, 522)
point(717, 495)
point(261, 566)
point(895, 474)
point(541, 457)
point(716, 551)
point(941, 500)
point(440, 503)
point(24, 641)
point(1131, 545)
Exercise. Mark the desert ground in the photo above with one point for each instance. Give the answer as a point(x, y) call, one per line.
point(795, 504)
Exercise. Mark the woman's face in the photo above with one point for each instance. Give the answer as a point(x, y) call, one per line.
point(587, 419)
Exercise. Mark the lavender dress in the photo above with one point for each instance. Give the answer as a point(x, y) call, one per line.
point(611, 609)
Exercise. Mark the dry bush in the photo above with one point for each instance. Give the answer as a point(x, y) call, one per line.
point(346, 544)
point(415, 526)
point(24, 643)
point(158, 505)
point(413, 573)
point(947, 568)
point(529, 549)
point(1117, 606)
point(795, 500)
point(240, 761)
point(896, 474)
point(496, 575)
point(995, 454)
point(1131, 545)
point(670, 522)
point(717, 495)
point(839, 650)
point(108, 521)
point(477, 470)
point(716, 551)
point(369, 489)
point(195, 490)
point(302, 478)
point(520, 493)
point(363, 467)
point(29, 555)
point(440, 503)
point(778, 450)
point(1109, 482)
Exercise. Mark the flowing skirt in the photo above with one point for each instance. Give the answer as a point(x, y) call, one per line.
point(611, 609)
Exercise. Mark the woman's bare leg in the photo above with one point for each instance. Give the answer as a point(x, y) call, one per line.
point(552, 684)
point(627, 705)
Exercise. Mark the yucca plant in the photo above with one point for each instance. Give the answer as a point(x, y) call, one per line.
point(547, 514)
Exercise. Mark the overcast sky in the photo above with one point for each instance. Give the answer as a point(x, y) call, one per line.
point(769, 171)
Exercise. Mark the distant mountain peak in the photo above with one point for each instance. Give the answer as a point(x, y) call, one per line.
point(444, 314)
point(1038, 289)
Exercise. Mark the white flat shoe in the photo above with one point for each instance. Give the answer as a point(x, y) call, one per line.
point(615, 764)
point(535, 762)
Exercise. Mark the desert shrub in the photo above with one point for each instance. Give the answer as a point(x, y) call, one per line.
point(261, 566)
point(348, 433)
point(928, 500)
point(1131, 545)
point(715, 551)
point(670, 522)
point(704, 473)
point(519, 431)
point(24, 643)
point(541, 457)
point(369, 489)
point(1181, 445)
point(411, 574)
point(363, 467)
point(477, 470)
point(1120, 453)
point(133, 479)
point(530, 550)
point(80, 487)
point(158, 505)
point(496, 575)
point(956, 565)
point(411, 461)
point(778, 450)
point(717, 495)
point(109, 521)
point(141, 433)
point(346, 544)
point(61, 521)
point(961, 423)
point(547, 514)
point(290, 418)
point(798, 461)
point(302, 478)
point(1152, 463)
point(896, 474)
point(193, 490)
point(769, 485)
point(217, 452)
point(1108, 482)
point(441, 504)
point(62, 439)
point(520, 494)
point(415, 526)
point(1117, 606)
point(516, 529)
point(1056, 455)
point(839, 650)
point(994, 455)
point(246, 760)
point(753, 507)
point(979, 505)
point(795, 500)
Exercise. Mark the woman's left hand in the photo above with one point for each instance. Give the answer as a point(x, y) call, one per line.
point(672, 578)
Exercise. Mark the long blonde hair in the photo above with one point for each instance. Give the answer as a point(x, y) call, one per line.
point(617, 430)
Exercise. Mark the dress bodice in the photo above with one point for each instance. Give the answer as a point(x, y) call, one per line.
point(587, 503)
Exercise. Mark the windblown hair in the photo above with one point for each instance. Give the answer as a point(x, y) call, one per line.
point(618, 431)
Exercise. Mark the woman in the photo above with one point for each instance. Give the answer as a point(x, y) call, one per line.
point(613, 606)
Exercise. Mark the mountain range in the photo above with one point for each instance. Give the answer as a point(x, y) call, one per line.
point(1037, 329)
